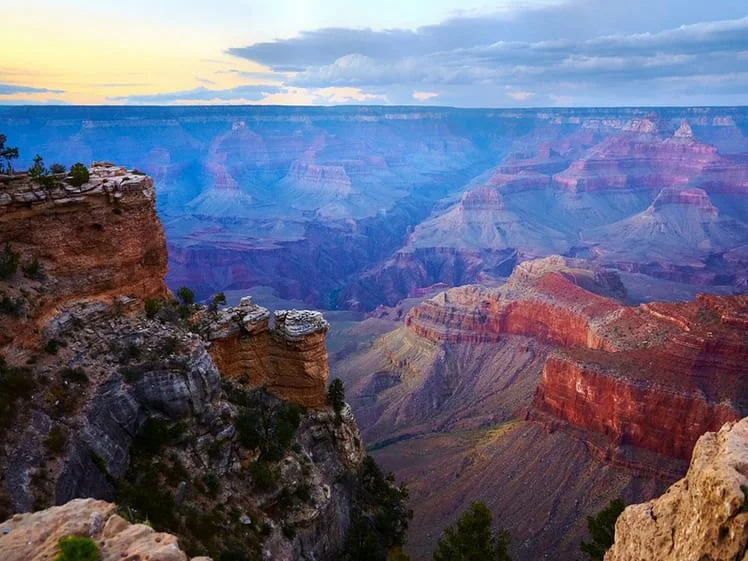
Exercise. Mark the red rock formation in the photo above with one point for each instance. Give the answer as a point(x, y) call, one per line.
point(98, 241)
point(654, 377)
point(289, 359)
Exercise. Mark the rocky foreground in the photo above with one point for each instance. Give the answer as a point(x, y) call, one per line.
point(704, 516)
point(34, 536)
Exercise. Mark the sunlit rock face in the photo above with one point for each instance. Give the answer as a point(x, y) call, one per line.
point(97, 241)
point(289, 359)
point(655, 376)
point(34, 536)
point(702, 516)
point(359, 206)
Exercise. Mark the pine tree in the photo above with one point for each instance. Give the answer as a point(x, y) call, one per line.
point(336, 397)
point(602, 530)
point(472, 539)
point(78, 175)
point(7, 153)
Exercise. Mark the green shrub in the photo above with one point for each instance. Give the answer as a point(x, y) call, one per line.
point(336, 397)
point(38, 170)
point(76, 375)
point(78, 175)
point(264, 476)
point(157, 433)
point(15, 383)
point(186, 296)
point(57, 168)
point(234, 555)
point(472, 539)
point(77, 548)
point(10, 306)
point(304, 492)
point(52, 346)
point(212, 485)
point(7, 154)
point(9, 260)
point(602, 528)
point(32, 270)
point(218, 299)
point(151, 307)
point(269, 427)
point(57, 439)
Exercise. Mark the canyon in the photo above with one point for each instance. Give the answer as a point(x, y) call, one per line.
point(485, 392)
point(353, 207)
point(538, 309)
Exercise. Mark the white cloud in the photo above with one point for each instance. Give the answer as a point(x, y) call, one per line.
point(424, 96)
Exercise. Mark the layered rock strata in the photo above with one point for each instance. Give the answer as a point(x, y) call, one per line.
point(97, 241)
point(289, 358)
point(653, 377)
point(34, 536)
point(702, 516)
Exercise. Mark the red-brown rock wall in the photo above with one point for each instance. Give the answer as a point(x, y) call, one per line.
point(98, 242)
point(661, 419)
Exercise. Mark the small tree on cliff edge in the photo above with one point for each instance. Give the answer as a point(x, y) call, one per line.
point(471, 539)
point(79, 175)
point(336, 397)
point(218, 300)
point(186, 295)
point(602, 529)
point(7, 153)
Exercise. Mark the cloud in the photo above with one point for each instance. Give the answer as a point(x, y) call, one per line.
point(520, 95)
point(200, 94)
point(424, 96)
point(13, 89)
point(545, 54)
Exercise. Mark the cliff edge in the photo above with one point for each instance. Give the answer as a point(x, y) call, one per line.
point(702, 517)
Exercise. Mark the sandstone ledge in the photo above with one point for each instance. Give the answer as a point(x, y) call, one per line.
point(701, 517)
point(289, 359)
point(34, 536)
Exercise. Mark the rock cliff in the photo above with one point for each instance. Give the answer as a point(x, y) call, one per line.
point(289, 359)
point(101, 400)
point(34, 536)
point(615, 368)
point(85, 241)
point(701, 517)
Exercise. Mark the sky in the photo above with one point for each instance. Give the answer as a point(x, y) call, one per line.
point(465, 53)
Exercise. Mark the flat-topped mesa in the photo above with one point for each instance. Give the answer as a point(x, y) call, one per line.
point(554, 299)
point(697, 198)
point(289, 359)
point(482, 198)
point(97, 241)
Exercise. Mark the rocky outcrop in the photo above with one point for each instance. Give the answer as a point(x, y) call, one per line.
point(701, 517)
point(289, 359)
point(544, 299)
point(97, 241)
point(653, 377)
point(34, 536)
